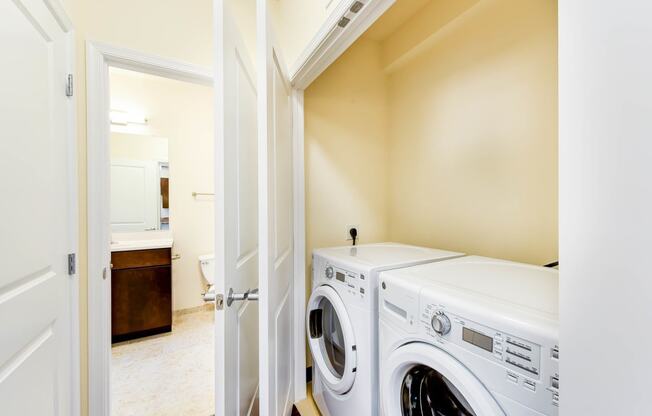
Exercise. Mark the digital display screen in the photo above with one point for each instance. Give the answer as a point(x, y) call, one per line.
point(478, 339)
point(340, 276)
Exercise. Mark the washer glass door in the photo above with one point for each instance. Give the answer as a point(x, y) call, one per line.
point(331, 339)
point(426, 391)
point(422, 379)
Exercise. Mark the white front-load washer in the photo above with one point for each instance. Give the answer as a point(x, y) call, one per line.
point(342, 321)
point(469, 336)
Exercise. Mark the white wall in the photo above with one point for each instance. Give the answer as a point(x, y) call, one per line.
point(183, 113)
point(605, 69)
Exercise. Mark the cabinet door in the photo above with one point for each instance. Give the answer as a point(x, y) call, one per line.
point(141, 302)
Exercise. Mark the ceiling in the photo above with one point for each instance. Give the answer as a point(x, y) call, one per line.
point(394, 18)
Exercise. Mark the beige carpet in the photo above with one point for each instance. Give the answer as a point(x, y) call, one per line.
point(166, 375)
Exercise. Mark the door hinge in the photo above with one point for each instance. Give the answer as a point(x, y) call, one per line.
point(72, 264)
point(69, 86)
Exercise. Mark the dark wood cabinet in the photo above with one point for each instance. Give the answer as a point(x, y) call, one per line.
point(141, 293)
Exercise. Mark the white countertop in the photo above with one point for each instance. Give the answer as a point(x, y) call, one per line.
point(145, 240)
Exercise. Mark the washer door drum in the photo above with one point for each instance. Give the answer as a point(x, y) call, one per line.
point(420, 379)
point(331, 339)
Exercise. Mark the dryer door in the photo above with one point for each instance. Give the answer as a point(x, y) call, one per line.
point(421, 379)
point(331, 339)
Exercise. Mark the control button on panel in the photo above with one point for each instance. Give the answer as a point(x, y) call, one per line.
point(519, 344)
point(519, 355)
point(362, 290)
point(522, 367)
point(554, 382)
point(512, 377)
point(530, 385)
point(555, 399)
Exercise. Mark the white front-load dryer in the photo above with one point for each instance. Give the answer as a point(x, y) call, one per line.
point(471, 336)
point(342, 322)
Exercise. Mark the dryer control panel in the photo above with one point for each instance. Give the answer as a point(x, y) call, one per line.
point(353, 281)
point(519, 364)
point(349, 282)
point(515, 353)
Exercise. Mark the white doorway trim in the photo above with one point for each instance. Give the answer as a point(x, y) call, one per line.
point(99, 57)
point(299, 284)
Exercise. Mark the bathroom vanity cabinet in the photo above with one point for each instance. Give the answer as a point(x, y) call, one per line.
point(141, 293)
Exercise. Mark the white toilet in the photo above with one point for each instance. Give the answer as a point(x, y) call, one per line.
point(207, 263)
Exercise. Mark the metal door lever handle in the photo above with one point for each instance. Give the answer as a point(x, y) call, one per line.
point(253, 294)
point(211, 296)
point(250, 294)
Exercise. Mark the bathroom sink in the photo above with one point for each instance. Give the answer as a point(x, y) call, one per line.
point(140, 241)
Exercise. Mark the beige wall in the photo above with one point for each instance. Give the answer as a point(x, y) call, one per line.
point(445, 138)
point(346, 150)
point(138, 147)
point(182, 112)
point(174, 29)
point(473, 134)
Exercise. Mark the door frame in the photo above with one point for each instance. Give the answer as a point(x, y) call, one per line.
point(99, 57)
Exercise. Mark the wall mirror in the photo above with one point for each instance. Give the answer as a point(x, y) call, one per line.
point(140, 183)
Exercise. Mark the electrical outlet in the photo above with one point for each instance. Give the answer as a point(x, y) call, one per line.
point(348, 235)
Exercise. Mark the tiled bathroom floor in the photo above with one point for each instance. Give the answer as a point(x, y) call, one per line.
point(166, 375)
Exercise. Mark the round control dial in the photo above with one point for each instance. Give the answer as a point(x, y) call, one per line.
point(329, 272)
point(440, 323)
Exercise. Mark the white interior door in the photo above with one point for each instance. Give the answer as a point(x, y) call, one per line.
point(135, 190)
point(36, 213)
point(276, 222)
point(236, 204)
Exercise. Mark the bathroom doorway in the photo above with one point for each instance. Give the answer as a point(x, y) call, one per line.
point(161, 217)
point(161, 214)
point(151, 214)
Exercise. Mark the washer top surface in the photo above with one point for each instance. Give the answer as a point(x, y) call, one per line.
point(520, 285)
point(384, 256)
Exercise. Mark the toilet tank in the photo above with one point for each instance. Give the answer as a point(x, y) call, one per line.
point(207, 263)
